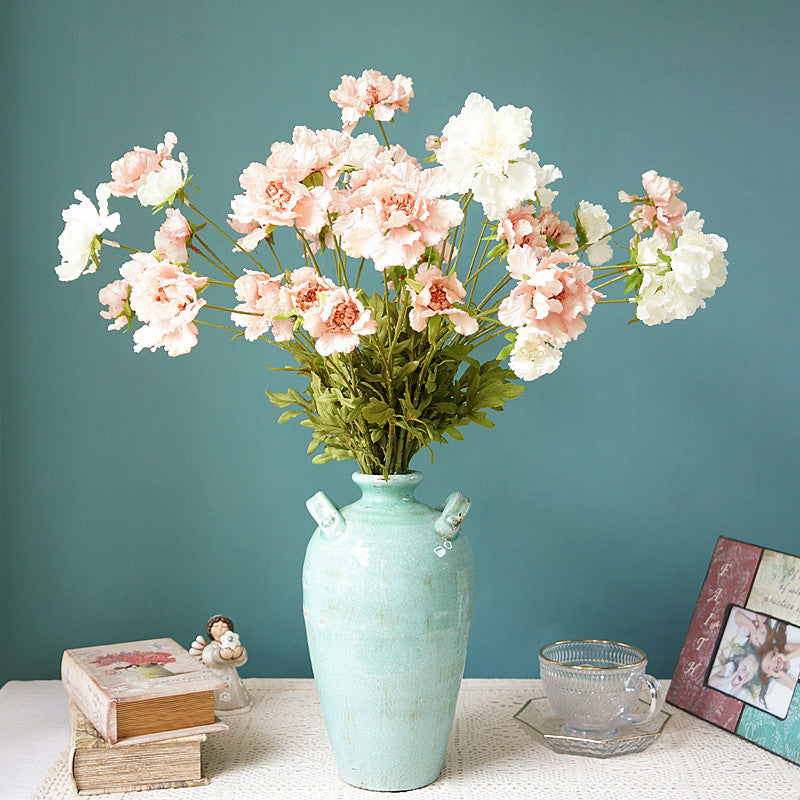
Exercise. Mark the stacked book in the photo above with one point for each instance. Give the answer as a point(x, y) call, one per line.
point(139, 712)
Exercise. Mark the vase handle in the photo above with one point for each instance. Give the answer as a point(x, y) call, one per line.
point(327, 516)
point(454, 510)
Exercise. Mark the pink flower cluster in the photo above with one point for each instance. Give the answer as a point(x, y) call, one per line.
point(128, 172)
point(436, 298)
point(659, 209)
point(160, 294)
point(550, 298)
point(332, 314)
point(392, 212)
point(262, 298)
point(115, 296)
point(173, 236)
point(151, 175)
point(372, 93)
point(292, 188)
point(540, 230)
point(338, 321)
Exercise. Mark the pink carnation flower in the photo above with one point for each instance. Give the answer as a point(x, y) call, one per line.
point(395, 215)
point(262, 298)
point(319, 152)
point(164, 297)
point(524, 226)
point(172, 237)
point(433, 143)
point(338, 322)
point(115, 296)
point(293, 187)
point(548, 297)
point(307, 288)
point(372, 92)
point(660, 208)
point(129, 172)
point(436, 298)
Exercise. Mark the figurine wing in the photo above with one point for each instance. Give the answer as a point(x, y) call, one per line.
point(198, 645)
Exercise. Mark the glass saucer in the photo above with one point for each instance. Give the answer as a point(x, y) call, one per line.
point(540, 722)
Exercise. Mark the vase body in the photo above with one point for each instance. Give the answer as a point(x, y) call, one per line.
point(388, 598)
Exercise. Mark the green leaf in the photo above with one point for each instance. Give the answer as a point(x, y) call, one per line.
point(290, 414)
point(496, 251)
point(505, 352)
point(376, 412)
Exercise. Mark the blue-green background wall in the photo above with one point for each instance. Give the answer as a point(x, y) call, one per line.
point(141, 493)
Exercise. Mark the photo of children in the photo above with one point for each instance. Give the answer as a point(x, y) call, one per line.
point(757, 661)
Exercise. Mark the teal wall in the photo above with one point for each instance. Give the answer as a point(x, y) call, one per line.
point(141, 493)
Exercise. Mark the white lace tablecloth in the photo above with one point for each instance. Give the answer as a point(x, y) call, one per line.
point(279, 750)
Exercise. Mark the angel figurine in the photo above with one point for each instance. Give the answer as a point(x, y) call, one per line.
point(223, 654)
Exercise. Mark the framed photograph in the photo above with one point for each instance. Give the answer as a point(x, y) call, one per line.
point(740, 663)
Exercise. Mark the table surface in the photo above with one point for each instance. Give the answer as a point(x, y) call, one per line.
point(279, 750)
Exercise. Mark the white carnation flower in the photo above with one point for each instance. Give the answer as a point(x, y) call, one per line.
point(692, 222)
point(482, 151)
point(161, 184)
point(532, 355)
point(364, 149)
point(544, 175)
point(696, 269)
point(661, 299)
point(84, 223)
point(595, 224)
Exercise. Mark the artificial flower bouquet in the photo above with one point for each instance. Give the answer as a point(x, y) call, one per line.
point(387, 312)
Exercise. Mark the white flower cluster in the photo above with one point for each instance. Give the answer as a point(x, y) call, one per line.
point(533, 355)
point(160, 185)
point(676, 288)
point(594, 221)
point(83, 224)
point(482, 150)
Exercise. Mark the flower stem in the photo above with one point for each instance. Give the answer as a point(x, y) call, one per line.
point(214, 225)
point(497, 287)
point(358, 274)
point(307, 248)
point(221, 327)
point(233, 311)
point(383, 131)
point(474, 276)
point(455, 250)
point(213, 258)
point(111, 243)
point(613, 280)
point(621, 300)
point(275, 256)
point(607, 236)
point(475, 253)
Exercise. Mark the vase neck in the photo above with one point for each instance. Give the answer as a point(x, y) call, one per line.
point(374, 489)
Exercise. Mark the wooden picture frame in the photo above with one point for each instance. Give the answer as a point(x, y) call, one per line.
point(739, 665)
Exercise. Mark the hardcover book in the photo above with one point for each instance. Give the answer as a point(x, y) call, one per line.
point(141, 691)
point(98, 768)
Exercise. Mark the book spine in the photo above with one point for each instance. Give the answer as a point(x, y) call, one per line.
point(97, 706)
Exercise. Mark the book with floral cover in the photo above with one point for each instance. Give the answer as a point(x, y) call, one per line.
point(141, 691)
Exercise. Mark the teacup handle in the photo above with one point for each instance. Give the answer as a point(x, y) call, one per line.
point(656, 701)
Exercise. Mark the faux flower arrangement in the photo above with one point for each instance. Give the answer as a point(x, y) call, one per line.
point(391, 371)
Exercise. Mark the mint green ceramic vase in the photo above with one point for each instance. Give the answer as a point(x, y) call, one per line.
point(388, 597)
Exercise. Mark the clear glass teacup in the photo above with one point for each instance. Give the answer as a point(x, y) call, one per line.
point(594, 685)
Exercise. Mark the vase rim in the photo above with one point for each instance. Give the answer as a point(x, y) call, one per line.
point(400, 479)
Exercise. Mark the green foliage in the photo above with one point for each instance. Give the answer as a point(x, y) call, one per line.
point(396, 394)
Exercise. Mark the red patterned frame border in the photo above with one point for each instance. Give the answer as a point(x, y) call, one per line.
point(728, 581)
